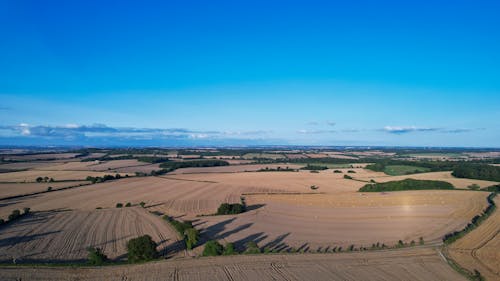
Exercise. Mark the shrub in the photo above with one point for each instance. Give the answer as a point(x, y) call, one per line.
point(337, 172)
point(39, 179)
point(119, 205)
point(191, 237)
point(213, 248)
point(142, 248)
point(473, 187)
point(347, 177)
point(14, 215)
point(96, 256)
point(351, 172)
point(142, 204)
point(128, 204)
point(314, 172)
point(421, 241)
point(26, 211)
point(49, 189)
point(314, 187)
point(229, 249)
point(2, 221)
point(252, 248)
point(230, 209)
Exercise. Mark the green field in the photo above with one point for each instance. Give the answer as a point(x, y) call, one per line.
point(398, 170)
point(263, 156)
point(436, 154)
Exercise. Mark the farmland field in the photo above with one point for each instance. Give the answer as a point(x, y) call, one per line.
point(397, 170)
point(61, 236)
point(406, 264)
point(300, 211)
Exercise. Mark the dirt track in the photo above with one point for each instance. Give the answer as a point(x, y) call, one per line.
point(406, 264)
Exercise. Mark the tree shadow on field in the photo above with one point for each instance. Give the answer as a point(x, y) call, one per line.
point(255, 207)
point(13, 241)
point(240, 244)
point(277, 241)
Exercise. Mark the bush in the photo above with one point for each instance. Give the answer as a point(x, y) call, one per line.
point(39, 179)
point(351, 172)
point(407, 184)
point(14, 215)
point(314, 167)
point(49, 189)
point(314, 187)
point(229, 250)
point(212, 248)
point(26, 211)
point(347, 177)
point(191, 237)
point(128, 204)
point(142, 204)
point(252, 248)
point(493, 188)
point(119, 205)
point(473, 187)
point(421, 241)
point(230, 209)
point(337, 172)
point(96, 256)
point(142, 248)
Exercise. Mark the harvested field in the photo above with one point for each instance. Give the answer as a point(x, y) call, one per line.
point(232, 169)
point(175, 197)
point(406, 264)
point(42, 156)
point(273, 156)
point(440, 176)
point(13, 189)
point(312, 221)
point(141, 169)
point(116, 164)
point(25, 165)
point(480, 249)
point(64, 235)
point(30, 176)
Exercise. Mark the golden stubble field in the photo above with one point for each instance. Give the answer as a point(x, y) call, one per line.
point(405, 264)
point(60, 236)
point(480, 249)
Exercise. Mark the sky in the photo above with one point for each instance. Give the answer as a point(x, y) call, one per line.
point(234, 73)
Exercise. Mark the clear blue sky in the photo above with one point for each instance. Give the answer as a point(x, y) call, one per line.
point(419, 73)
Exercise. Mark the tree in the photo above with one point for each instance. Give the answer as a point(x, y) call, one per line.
point(229, 249)
point(119, 205)
point(26, 211)
point(49, 188)
point(39, 179)
point(213, 248)
point(96, 256)
point(128, 204)
point(421, 241)
point(142, 248)
point(191, 237)
point(14, 215)
point(142, 204)
point(252, 248)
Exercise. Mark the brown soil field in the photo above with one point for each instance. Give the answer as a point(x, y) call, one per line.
point(65, 235)
point(12, 189)
point(232, 169)
point(116, 164)
point(480, 249)
point(442, 176)
point(405, 264)
point(31, 175)
point(313, 221)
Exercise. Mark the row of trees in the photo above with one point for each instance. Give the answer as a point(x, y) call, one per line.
point(103, 178)
point(407, 184)
point(186, 230)
point(139, 249)
point(477, 171)
point(15, 215)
